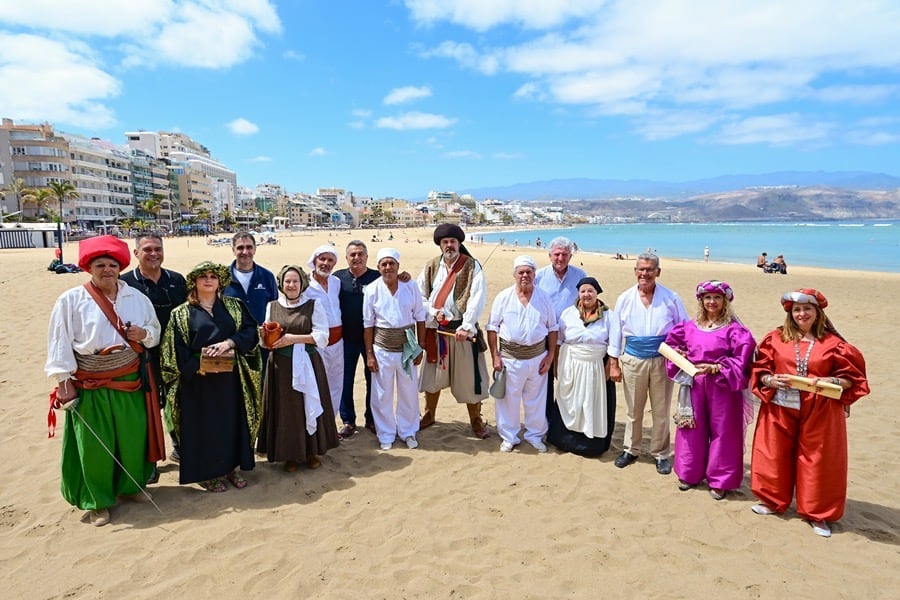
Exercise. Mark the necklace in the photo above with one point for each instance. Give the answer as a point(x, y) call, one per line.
point(713, 324)
point(803, 364)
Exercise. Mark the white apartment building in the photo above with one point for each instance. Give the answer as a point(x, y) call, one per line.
point(101, 174)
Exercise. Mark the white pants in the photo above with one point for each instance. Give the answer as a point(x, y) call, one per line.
point(333, 357)
point(525, 387)
point(404, 422)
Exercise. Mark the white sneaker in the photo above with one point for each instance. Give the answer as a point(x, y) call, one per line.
point(821, 528)
point(411, 443)
point(539, 446)
point(506, 447)
point(761, 509)
point(386, 446)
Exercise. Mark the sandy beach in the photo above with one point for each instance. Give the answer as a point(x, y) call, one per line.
point(455, 518)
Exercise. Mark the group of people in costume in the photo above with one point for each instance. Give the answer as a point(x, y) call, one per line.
point(245, 362)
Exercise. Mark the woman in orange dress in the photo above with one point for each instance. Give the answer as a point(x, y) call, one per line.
point(800, 441)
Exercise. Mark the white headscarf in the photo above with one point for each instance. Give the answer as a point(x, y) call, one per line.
point(325, 249)
point(524, 261)
point(388, 253)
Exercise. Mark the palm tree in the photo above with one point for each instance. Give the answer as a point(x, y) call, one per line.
point(18, 188)
point(61, 190)
point(41, 198)
point(151, 207)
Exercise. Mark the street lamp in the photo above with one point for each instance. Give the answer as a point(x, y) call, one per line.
point(59, 231)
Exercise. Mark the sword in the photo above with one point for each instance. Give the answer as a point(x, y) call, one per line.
point(108, 451)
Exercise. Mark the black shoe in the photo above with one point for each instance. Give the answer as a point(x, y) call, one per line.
point(663, 466)
point(684, 485)
point(175, 457)
point(154, 477)
point(625, 459)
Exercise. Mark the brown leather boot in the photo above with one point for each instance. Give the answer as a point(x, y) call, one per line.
point(431, 401)
point(478, 427)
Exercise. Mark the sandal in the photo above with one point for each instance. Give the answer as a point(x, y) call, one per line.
point(213, 485)
point(236, 480)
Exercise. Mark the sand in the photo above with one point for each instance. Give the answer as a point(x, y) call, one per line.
point(455, 518)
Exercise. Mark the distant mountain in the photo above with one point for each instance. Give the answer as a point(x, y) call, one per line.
point(599, 189)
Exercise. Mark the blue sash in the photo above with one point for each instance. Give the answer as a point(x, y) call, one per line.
point(643, 346)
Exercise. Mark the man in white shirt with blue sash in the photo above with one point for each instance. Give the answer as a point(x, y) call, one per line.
point(646, 313)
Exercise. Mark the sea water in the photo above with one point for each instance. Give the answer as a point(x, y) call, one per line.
point(856, 245)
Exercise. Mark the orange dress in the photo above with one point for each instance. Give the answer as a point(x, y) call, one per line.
point(804, 449)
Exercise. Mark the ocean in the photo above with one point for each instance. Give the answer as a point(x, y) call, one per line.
point(855, 245)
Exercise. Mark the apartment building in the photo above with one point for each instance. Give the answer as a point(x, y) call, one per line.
point(37, 156)
point(101, 174)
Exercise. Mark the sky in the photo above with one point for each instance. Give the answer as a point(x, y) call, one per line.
point(399, 97)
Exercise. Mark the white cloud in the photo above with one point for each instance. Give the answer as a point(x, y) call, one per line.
point(873, 138)
point(665, 125)
point(644, 57)
point(405, 94)
point(415, 120)
point(482, 15)
point(241, 126)
point(261, 159)
point(49, 80)
point(362, 113)
point(293, 55)
point(775, 130)
point(462, 154)
point(319, 151)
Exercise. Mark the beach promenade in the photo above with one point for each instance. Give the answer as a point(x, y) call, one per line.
point(455, 518)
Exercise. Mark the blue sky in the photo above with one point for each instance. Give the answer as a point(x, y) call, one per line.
point(395, 98)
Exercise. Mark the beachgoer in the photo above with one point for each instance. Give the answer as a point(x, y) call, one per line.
point(394, 335)
point(354, 281)
point(582, 418)
point(216, 414)
point(521, 327)
point(713, 410)
point(780, 265)
point(94, 329)
point(166, 289)
point(646, 312)
point(325, 288)
point(454, 291)
point(800, 441)
point(706, 254)
point(250, 282)
point(762, 261)
point(298, 417)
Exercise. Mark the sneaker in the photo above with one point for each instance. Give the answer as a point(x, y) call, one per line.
point(663, 466)
point(386, 446)
point(821, 528)
point(624, 459)
point(539, 446)
point(411, 443)
point(175, 457)
point(761, 509)
point(506, 447)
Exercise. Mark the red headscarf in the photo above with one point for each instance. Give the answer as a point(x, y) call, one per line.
point(103, 245)
point(804, 296)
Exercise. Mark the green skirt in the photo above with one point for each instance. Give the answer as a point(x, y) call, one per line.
point(91, 479)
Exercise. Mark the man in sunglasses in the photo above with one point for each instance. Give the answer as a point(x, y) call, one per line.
point(166, 289)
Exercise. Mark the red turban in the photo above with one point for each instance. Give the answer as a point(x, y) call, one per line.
point(103, 245)
point(803, 296)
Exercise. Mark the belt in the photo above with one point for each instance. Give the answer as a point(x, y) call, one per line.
point(335, 334)
point(391, 339)
point(521, 351)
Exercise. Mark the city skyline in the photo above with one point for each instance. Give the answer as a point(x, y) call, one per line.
point(398, 98)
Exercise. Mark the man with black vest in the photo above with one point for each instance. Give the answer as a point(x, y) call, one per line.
point(454, 289)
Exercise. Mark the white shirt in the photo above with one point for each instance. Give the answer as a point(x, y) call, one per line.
point(665, 311)
point(474, 305)
point(386, 310)
point(328, 299)
point(77, 324)
point(572, 330)
point(319, 317)
point(562, 292)
point(519, 323)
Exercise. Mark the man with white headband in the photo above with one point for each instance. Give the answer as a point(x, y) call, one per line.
point(454, 290)
point(646, 312)
point(524, 323)
point(394, 322)
point(326, 289)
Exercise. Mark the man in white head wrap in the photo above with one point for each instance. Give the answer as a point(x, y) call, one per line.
point(325, 289)
point(394, 330)
point(521, 327)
